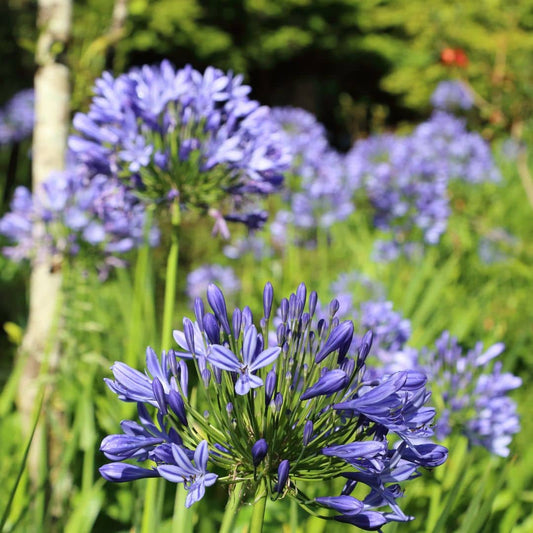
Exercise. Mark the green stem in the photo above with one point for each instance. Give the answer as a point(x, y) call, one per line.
point(139, 289)
point(150, 517)
point(171, 277)
point(7, 510)
point(294, 516)
point(232, 507)
point(182, 518)
point(258, 513)
point(323, 248)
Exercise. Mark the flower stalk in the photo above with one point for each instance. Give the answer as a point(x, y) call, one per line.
point(171, 276)
point(233, 505)
point(258, 513)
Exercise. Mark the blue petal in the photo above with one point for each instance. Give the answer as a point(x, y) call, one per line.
point(223, 358)
point(183, 462)
point(249, 344)
point(242, 385)
point(353, 450)
point(368, 520)
point(154, 366)
point(210, 479)
point(171, 473)
point(201, 455)
point(121, 472)
point(342, 504)
point(265, 358)
point(195, 493)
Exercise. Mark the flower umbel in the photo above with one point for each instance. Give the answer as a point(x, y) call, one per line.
point(284, 414)
point(180, 133)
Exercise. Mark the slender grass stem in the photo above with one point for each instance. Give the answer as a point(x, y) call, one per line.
point(20, 473)
point(139, 288)
point(182, 518)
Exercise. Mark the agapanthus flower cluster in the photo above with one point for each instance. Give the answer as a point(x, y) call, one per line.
point(17, 117)
point(452, 95)
point(406, 179)
point(405, 189)
point(71, 212)
point(472, 390)
point(470, 386)
point(183, 134)
point(316, 188)
point(475, 393)
point(274, 416)
point(200, 278)
point(458, 154)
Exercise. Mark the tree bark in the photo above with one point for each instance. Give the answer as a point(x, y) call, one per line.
point(52, 96)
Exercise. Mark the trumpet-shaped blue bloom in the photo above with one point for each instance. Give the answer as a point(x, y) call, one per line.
point(252, 360)
point(194, 476)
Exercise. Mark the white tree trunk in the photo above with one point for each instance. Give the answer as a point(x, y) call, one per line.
point(52, 96)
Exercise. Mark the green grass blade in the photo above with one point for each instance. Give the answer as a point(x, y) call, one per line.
point(7, 510)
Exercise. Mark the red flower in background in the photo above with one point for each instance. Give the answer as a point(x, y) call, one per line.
point(454, 57)
point(461, 59)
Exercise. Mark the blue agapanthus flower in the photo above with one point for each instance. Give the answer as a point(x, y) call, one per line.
point(199, 279)
point(475, 393)
point(469, 385)
point(17, 117)
point(71, 213)
point(452, 95)
point(182, 134)
point(316, 189)
point(406, 179)
point(406, 190)
point(458, 154)
point(195, 477)
point(299, 409)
